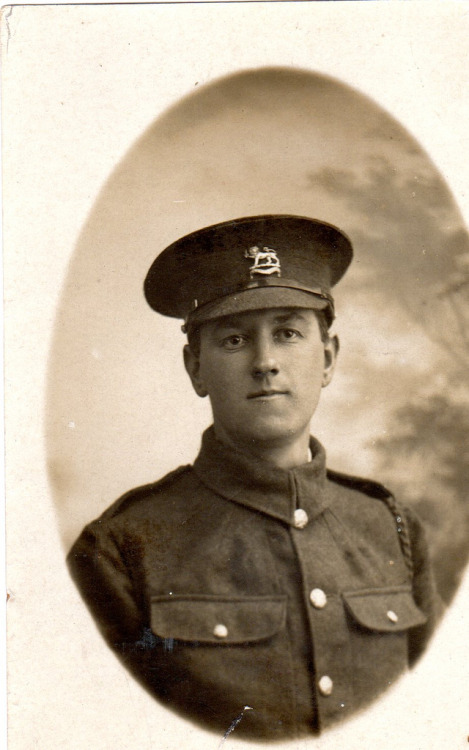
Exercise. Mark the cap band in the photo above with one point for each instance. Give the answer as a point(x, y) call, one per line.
point(258, 296)
point(262, 282)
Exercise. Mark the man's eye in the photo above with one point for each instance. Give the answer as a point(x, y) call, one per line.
point(233, 342)
point(288, 334)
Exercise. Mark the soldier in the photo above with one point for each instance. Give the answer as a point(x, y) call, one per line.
point(257, 589)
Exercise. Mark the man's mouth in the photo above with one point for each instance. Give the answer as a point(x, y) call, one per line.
point(267, 395)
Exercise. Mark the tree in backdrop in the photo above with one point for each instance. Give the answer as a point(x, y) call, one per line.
point(430, 437)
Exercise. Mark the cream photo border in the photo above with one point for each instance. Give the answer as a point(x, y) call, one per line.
point(60, 63)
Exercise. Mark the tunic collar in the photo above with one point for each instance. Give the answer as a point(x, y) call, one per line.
point(260, 485)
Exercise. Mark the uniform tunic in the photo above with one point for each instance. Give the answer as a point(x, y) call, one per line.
point(244, 594)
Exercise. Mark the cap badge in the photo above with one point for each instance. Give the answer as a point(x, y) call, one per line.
point(266, 262)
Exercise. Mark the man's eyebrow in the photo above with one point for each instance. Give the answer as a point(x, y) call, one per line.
point(230, 321)
point(235, 321)
point(292, 315)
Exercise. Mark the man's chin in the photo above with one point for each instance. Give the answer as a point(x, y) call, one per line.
point(270, 435)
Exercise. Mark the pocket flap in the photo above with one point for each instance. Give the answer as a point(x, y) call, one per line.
point(214, 619)
point(384, 609)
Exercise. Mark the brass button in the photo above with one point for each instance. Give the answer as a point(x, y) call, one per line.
point(318, 598)
point(220, 631)
point(391, 615)
point(300, 518)
point(325, 685)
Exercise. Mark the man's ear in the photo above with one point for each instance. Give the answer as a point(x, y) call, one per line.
point(192, 365)
point(331, 350)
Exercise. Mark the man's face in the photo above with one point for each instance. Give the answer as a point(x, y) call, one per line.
point(263, 371)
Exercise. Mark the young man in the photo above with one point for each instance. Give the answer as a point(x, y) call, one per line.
point(256, 589)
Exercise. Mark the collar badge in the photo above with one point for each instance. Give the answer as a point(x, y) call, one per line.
point(266, 262)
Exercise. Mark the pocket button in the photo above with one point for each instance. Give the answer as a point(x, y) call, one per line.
point(220, 631)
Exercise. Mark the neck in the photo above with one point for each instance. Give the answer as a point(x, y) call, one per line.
point(285, 454)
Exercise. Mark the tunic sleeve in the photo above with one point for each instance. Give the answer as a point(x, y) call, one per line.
point(424, 589)
point(97, 567)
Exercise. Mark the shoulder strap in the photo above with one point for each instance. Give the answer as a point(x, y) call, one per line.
point(379, 491)
point(142, 492)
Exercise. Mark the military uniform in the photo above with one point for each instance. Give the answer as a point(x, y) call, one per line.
point(245, 595)
point(301, 594)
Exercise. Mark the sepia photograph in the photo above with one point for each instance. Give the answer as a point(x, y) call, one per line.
point(237, 356)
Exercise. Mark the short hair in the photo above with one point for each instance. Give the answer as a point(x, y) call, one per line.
point(193, 332)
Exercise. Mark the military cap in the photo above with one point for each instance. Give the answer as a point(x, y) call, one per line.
point(250, 263)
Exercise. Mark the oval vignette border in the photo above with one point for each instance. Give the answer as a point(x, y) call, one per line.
point(116, 381)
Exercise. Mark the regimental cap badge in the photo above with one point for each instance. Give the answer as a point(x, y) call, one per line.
point(266, 262)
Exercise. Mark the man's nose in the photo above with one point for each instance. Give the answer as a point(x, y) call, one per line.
point(264, 360)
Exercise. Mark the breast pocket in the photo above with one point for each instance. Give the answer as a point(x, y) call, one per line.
point(384, 610)
point(379, 620)
point(208, 619)
point(224, 653)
